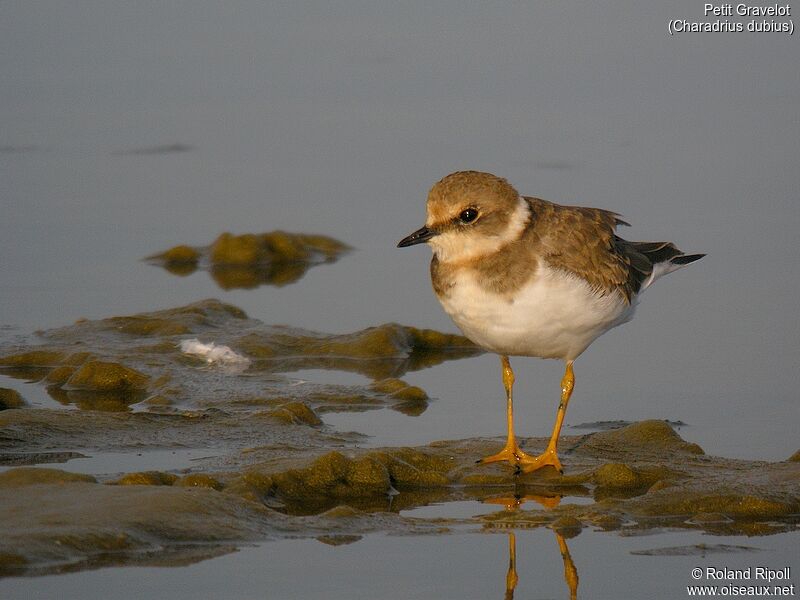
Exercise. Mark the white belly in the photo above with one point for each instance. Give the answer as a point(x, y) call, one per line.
point(556, 315)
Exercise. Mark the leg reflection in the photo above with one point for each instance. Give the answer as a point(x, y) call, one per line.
point(511, 503)
point(511, 576)
point(570, 572)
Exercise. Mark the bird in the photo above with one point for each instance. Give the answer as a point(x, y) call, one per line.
point(521, 276)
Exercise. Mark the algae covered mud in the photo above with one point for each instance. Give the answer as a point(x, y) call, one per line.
point(247, 261)
point(237, 452)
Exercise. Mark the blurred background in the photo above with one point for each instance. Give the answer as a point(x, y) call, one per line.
point(128, 128)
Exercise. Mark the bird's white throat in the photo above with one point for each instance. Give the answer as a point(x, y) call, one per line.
point(459, 246)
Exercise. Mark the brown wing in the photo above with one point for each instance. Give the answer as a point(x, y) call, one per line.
point(582, 241)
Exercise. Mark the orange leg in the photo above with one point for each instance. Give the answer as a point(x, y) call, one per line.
point(550, 454)
point(511, 452)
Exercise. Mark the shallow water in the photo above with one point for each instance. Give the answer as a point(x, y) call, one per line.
point(455, 566)
point(109, 465)
point(126, 132)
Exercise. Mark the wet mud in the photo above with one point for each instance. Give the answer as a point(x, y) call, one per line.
point(10, 399)
point(250, 260)
point(274, 469)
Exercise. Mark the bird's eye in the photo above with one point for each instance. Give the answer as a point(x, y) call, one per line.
point(468, 215)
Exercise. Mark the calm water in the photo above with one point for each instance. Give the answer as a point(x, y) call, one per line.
point(460, 566)
point(126, 129)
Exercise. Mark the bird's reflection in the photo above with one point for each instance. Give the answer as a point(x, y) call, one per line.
point(512, 503)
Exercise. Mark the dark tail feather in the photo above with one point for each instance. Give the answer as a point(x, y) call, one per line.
point(647, 261)
point(660, 252)
point(685, 259)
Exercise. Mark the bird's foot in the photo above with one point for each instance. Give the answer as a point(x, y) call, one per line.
point(547, 458)
point(511, 453)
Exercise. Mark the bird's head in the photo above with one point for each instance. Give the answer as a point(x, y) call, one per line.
point(470, 214)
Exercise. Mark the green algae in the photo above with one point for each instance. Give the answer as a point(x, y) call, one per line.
point(409, 399)
point(149, 345)
point(731, 502)
point(159, 401)
point(399, 389)
point(229, 249)
point(34, 358)
point(385, 341)
point(94, 542)
point(10, 399)
point(77, 525)
point(204, 312)
point(251, 485)
point(112, 401)
point(367, 474)
point(605, 521)
point(408, 467)
point(232, 277)
point(179, 260)
point(199, 480)
point(249, 260)
point(97, 385)
point(344, 494)
point(636, 489)
point(380, 352)
point(567, 525)
point(336, 476)
point(276, 246)
point(10, 561)
point(232, 249)
point(60, 375)
point(701, 550)
point(148, 326)
point(392, 393)
point(295, 413)
point(353, 402)
point(617, 475)
point(620, 476)
point(147, 478)
point(22, 476)
point(338, 540)
point(102, 376)
point(278, 472)
point(703, 518)
point(645, 436)
point(77, 358)
point(332, 475)
point(179, 321)
point(41, 430)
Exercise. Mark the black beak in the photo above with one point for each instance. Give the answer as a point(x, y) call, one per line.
point(423, 234)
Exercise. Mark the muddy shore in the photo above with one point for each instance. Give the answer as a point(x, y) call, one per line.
point(275, 470)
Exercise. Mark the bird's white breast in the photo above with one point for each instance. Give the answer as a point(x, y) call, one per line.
point(554, 315)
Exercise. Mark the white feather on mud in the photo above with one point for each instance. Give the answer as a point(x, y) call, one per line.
point(215, 354)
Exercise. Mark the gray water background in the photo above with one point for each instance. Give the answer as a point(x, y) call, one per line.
point(337, 119)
